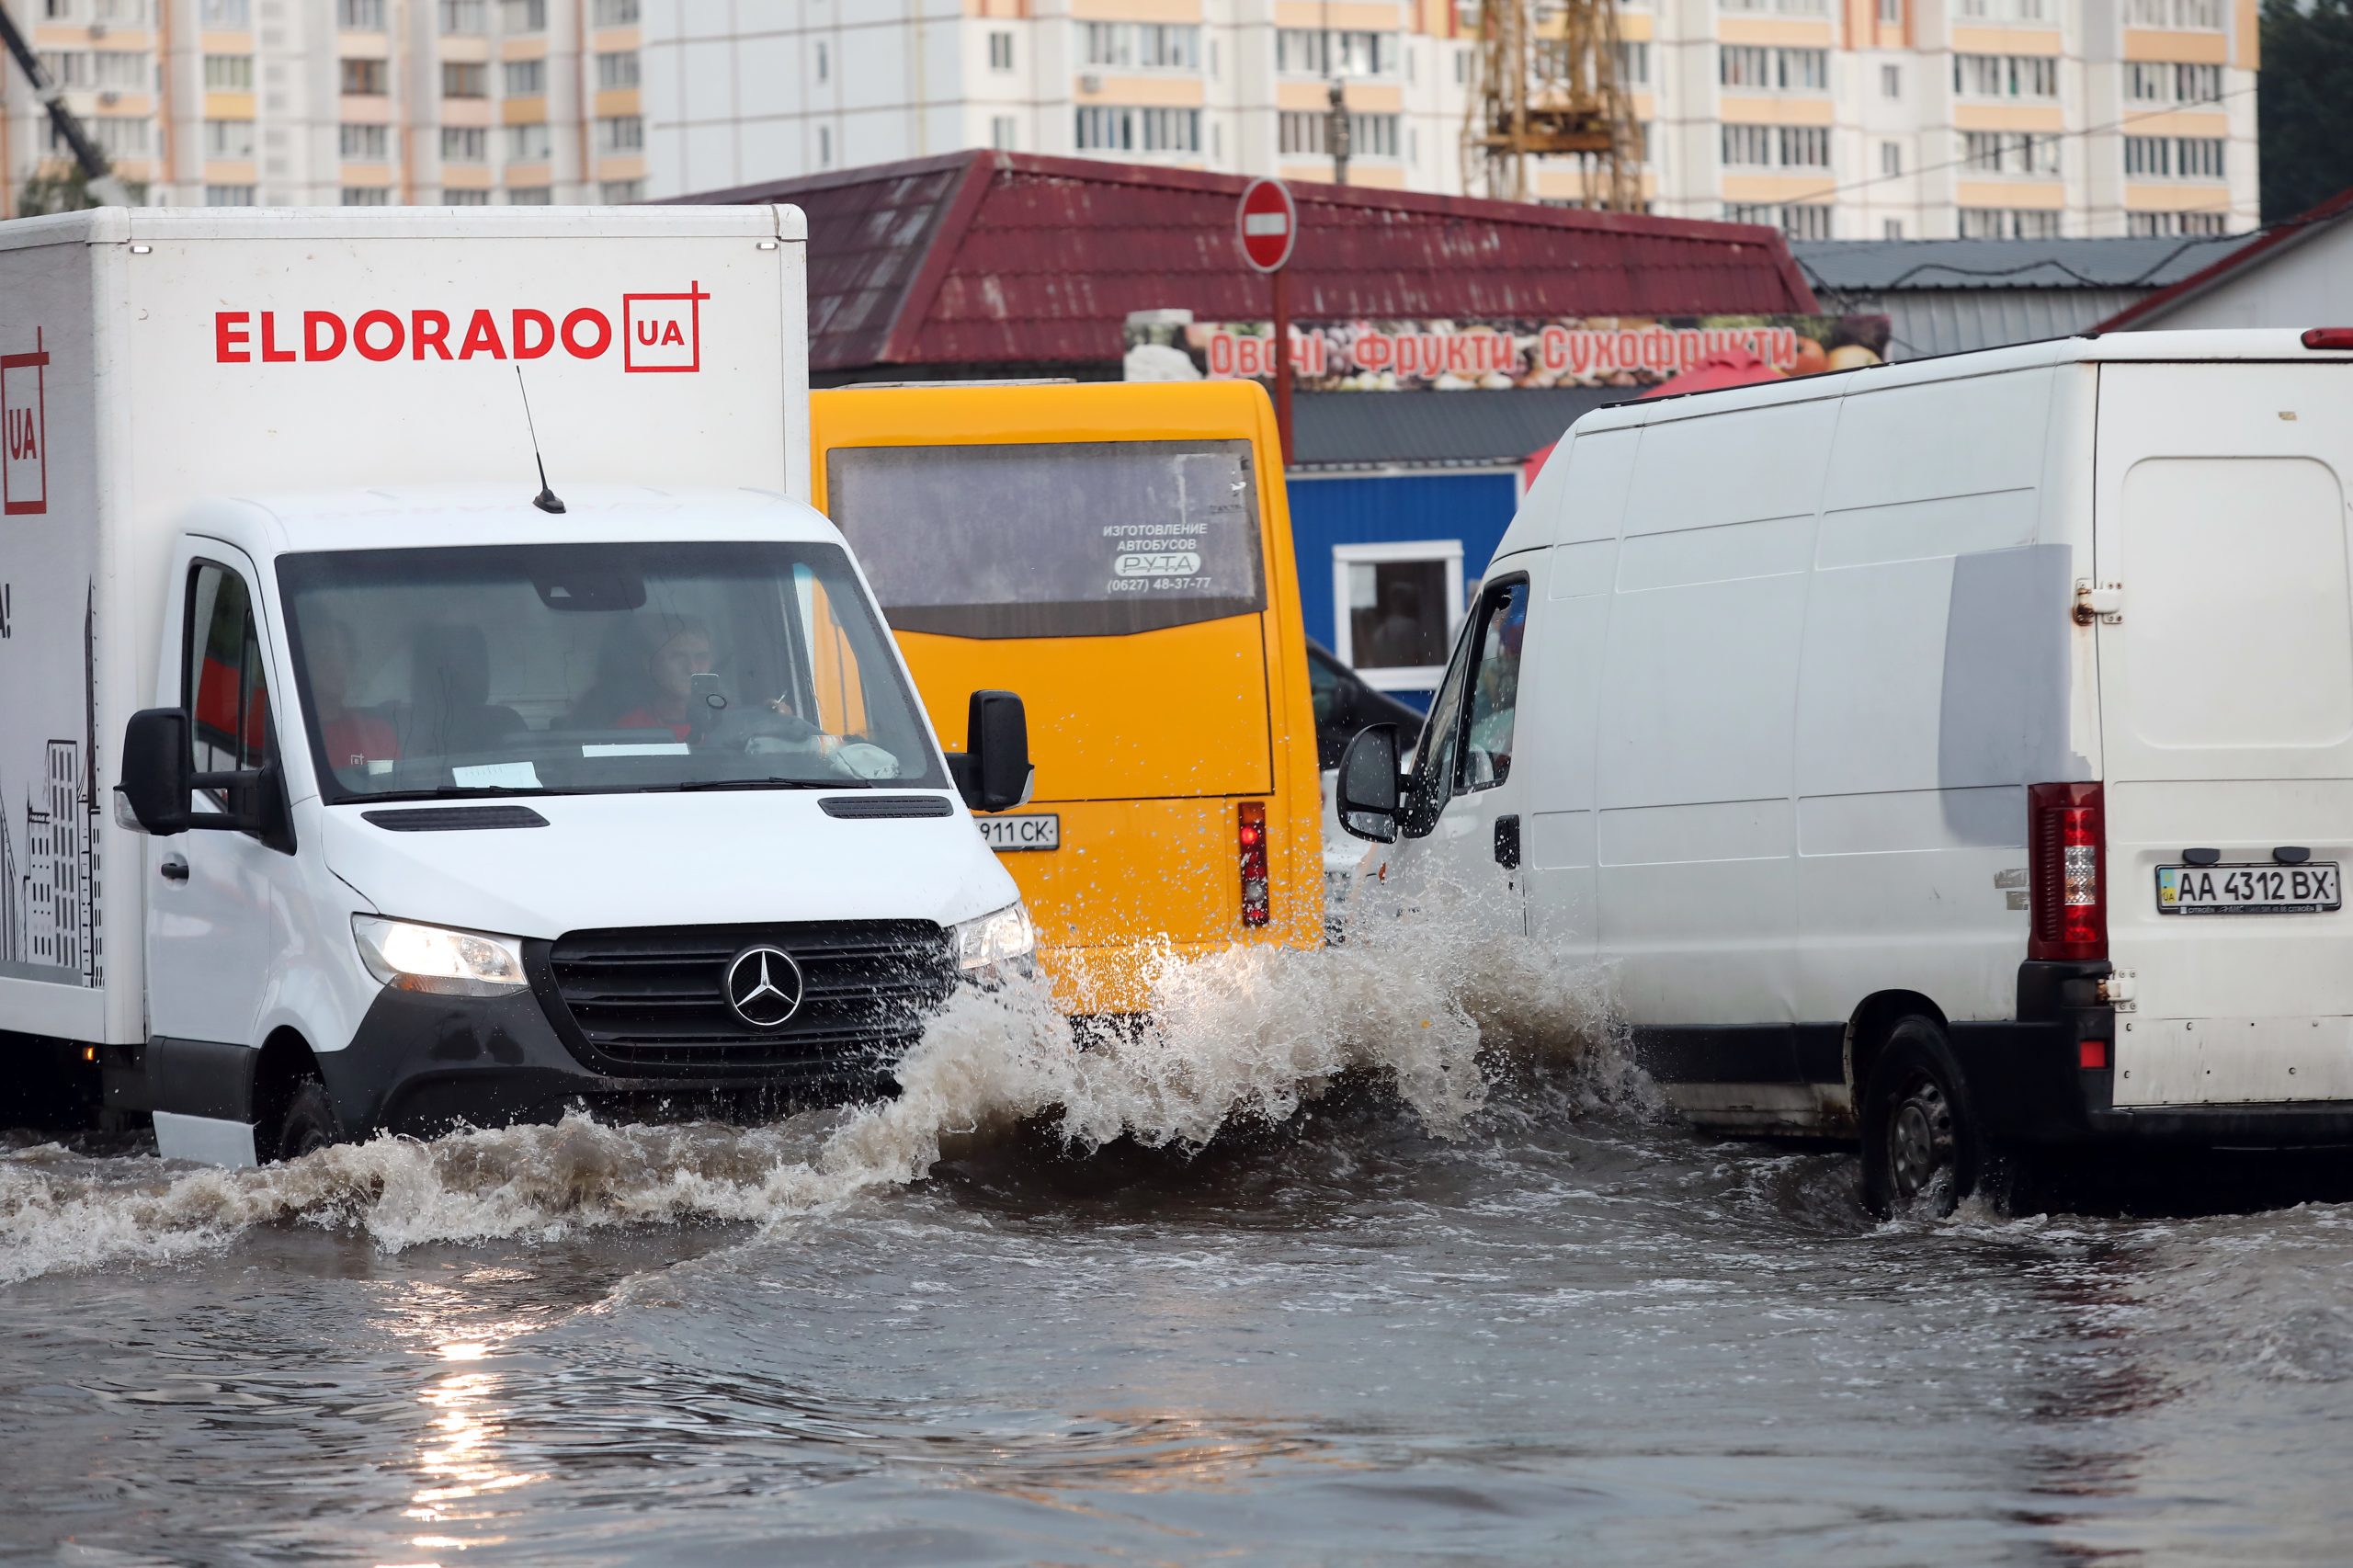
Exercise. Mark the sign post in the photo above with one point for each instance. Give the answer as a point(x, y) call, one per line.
point(1268, 226)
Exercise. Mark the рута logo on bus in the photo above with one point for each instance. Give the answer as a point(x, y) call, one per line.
point(658, 332)
point(1169, 563)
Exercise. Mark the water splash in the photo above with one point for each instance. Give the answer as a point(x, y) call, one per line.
point(1428, 1006)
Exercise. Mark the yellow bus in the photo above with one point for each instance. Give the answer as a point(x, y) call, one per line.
point(1119, 555)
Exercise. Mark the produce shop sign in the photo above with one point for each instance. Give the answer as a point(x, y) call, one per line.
point(1393, 355)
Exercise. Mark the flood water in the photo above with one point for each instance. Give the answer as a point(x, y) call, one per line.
point(1441, 1288)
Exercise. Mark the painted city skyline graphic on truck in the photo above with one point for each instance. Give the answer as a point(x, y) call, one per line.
point(50, 922)
point(658, 333)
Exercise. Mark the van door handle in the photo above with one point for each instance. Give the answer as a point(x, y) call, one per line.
point(1507, 843)
point(174, 869)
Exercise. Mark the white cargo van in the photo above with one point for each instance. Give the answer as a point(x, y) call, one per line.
point(354, 777)
point(1959, 751)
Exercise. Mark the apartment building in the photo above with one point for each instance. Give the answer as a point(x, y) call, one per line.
point(1845, 119)
point(339, 102)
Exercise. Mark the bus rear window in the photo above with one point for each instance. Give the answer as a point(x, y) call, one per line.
point(1053, 540)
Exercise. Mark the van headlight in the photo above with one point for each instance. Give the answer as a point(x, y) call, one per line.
point(994, 939)
point(436, 958)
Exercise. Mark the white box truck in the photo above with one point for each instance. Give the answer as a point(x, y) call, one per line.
point(355, 777)
point(1958, 752)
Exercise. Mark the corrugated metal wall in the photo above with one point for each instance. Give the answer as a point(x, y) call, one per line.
point(1954, 321)
point(1378, 508)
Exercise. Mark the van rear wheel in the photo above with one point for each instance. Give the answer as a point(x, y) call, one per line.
point(1922, 1150)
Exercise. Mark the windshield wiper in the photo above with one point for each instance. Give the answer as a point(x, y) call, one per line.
point(448, 792)
point(694, 785)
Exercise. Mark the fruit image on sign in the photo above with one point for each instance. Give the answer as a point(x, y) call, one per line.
point(1268, 224)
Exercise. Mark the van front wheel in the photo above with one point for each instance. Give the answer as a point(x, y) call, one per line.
point(308, 1124)
point(1922, 1150)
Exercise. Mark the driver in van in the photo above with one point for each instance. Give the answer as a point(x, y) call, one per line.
point(352, 738)
point(683, 652)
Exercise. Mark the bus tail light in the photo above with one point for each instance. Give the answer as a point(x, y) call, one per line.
point(1250, 839)
point(2067, 855)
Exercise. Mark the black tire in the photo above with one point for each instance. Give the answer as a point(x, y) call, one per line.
point(1923, 1148)
point(308, 1124)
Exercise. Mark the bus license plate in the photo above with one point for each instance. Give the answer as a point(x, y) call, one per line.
point(2249, 889)
point(1036, 830)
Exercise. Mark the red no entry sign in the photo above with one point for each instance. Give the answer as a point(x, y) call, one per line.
point(1268, 224)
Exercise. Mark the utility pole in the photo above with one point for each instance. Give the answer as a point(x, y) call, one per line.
point(97, 173)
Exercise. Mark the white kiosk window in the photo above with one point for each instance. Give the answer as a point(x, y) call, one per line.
point(1399, 604)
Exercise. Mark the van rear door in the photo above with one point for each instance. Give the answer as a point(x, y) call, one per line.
point(2226, 718)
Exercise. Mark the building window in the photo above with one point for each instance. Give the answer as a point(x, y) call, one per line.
point(1130, 46)
point(524, 16)
point(228, 73)
point(2201, 16)
point(621, 192)
point(2173, 84)
point(117, 138)
point(2003, 10)
point(367, 78)
point(1307, 133)
point(824, 63)
point(1002, 133)
point(824, 147)
point(1891, 81)
point(229, 139)
point(616, 12)
point(465, 79)
point(463, 17)
point(1307, 52)
point(527, 143)
point(2157, 225)
point(2006, 76)
point(367, 196)
point(1890, 13)
point(620, 133)
point(620, 69)
point(525, 78)
point(1773, 70)
point(1890, 158)
point(1797, 219)
point(1784, 146)
point(359, 16)
point(228, 196)
point(2010, 152)
point(2173, 158)
point(530, 196)
point(1000, 52)
point(2008, 223)
point(1749, 146)
point(1891, 228)
point(67, 68)
point(1633, 63)
point(227, 15)
point(454, 197)
point(464, 144)
point(122, 71)
point(1104, 128)
point(1400, 604)
point(365, 143)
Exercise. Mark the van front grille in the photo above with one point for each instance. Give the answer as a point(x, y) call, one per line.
point(653, 1003)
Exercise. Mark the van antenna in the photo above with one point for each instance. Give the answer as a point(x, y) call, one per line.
point(546, 500)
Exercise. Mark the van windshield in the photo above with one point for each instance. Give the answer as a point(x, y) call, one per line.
point(592, 668)
point(1075, 539)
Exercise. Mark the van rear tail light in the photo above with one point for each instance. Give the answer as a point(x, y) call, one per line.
point(2329, 337)
point(2067, 863)
point(2091, 1055)
point(1250, 839)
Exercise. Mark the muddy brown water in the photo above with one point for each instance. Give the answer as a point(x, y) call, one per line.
point(1431, 1293)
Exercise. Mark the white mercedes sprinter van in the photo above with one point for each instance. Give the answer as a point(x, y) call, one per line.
point(357, 776)
point(1959, 753)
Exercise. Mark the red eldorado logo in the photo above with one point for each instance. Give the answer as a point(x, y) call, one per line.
point(23, 432)
point(659, 332)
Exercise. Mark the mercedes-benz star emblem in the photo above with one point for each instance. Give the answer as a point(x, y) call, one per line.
point(764, 987)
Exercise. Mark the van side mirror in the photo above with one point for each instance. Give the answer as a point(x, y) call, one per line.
point(1369, 784)
point(158, 774)
point(993, 770)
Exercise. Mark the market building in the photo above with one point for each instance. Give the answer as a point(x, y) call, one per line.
point(1489, 327)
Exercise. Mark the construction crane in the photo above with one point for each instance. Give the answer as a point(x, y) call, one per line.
point(97, 173)
point(1544, 84)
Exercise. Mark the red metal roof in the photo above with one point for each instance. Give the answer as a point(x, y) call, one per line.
point(2281, 235)
point(982, 257)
